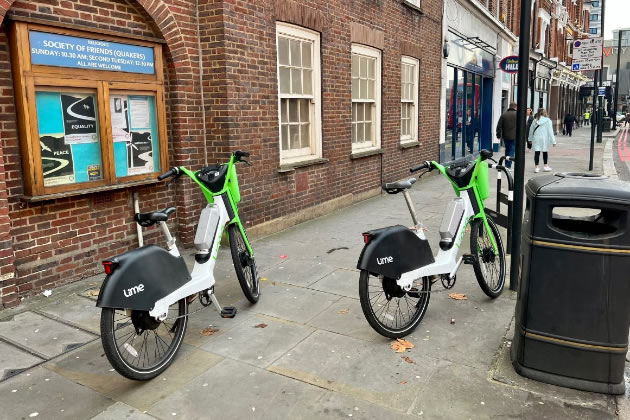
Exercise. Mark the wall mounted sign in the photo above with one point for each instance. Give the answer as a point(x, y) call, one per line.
point(509, 64)
point(83, 53)
point(471, 58)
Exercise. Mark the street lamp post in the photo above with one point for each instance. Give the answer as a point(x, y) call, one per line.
point(617, 80)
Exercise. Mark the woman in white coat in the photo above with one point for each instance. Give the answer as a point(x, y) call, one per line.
point(541, 136)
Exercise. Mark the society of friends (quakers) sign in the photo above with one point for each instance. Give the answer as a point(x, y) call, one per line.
point(70, 51)
point(509, 64)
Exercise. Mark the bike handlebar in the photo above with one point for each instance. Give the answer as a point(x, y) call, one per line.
point(425, 165)
point(172, 172)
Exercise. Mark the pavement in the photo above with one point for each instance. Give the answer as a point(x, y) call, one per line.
point(317, 357)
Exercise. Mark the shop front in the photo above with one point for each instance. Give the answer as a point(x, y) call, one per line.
point(469, 96)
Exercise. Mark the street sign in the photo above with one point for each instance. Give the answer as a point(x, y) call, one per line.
point(587, 54)
point(509, 64)
point(602, 91)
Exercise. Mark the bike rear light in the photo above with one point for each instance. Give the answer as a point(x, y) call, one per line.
point(109, 266)
point(367, 238)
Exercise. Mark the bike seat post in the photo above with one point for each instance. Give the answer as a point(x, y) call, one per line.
point(170, 241)
point(412, 210)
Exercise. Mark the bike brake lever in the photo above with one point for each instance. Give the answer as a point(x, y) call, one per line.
point(246, 162)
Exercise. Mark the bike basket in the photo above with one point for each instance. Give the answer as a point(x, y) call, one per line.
point(213, 177)
point(482, 181)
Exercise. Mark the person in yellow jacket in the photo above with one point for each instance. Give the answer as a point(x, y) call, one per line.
point(587, 117)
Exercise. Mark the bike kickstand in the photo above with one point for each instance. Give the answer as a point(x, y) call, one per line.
point(225, 311)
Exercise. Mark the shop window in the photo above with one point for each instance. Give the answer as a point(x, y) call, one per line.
point(409, 70)
point(90, 110)
point(366, 98)
point(299, 93)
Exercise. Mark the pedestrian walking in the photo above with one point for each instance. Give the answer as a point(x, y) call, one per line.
point(569, 120)
point(506, 130)
point(541, 136)
point(627, 118)
point(587, 117)
point(530, 120)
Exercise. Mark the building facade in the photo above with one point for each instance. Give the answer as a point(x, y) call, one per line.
point(331, 98)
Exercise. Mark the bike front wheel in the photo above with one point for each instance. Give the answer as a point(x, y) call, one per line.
point(137, 345)
point(390, 310)
point(244, 265)
point(489, 267)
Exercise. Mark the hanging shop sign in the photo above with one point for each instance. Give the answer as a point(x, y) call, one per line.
point(57, 50)
point(509, 64)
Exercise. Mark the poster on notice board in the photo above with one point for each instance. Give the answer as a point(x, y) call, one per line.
point(79, 119)
point(120, 117)
point(57, 160)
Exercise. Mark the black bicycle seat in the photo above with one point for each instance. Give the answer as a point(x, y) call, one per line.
point(148, 219)
point(396, 187)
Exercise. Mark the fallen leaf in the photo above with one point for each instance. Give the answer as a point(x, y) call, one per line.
point(208, 331)
point(403, 382)
point(283, 256)
point(401, 345)
point(263, 279)
point(343, 311)
point(94, 292)
point(408, 360)
point(457, 296)
point(260, 326)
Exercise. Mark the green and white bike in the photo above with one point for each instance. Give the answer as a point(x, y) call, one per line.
point(146, 292)
point(398, 267)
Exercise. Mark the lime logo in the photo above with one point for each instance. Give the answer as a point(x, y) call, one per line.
point(133, 290)
point(384, 260)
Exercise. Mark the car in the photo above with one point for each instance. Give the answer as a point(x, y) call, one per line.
point(621, 117)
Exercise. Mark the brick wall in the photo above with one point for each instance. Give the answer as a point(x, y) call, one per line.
point(233, 90)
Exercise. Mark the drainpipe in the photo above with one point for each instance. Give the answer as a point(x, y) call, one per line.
point(203, 96)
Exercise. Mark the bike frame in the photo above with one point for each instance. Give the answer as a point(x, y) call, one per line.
point(202, 275)
point(446, 262)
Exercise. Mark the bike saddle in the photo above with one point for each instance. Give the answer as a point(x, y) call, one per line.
point(148, 219)
point(396, 187)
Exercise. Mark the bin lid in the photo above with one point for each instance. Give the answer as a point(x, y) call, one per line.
point(572, 185)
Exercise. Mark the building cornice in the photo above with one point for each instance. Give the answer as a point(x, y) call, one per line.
point(493, 20)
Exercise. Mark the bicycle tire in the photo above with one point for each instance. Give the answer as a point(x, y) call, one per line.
point(484, 254)
point(114, 352)
point(368, 303)
point(244, 265)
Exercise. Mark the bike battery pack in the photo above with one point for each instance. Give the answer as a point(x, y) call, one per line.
point(450, 222)
point(208, 225)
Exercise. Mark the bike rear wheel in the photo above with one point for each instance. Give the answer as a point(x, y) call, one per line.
point(137, 345)
point(390, 310)
point(244, 265)
point(489, 267)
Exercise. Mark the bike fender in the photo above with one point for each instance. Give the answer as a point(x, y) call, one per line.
point(393, 251)
point(142, 277)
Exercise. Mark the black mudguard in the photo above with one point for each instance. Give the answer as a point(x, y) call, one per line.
point(393, 251)
point(142, 277)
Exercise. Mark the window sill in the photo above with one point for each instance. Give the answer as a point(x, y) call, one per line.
point(288, 167)
point(413, 6)
point(366, 153)
point(37, 198)
point(409, 144)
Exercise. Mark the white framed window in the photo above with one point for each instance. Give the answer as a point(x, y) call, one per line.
point(299, 93)
point(414, 2)
point(409, 72)
point(366, 98)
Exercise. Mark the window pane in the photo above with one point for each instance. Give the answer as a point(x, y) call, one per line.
point(356, 64)
point(294, 135)
point(283, 111)
point(354, 133)
point(364, 65)
point(296, 55)
point(360, 133)
point(306, 135)
point(296, 81)
point(368, 131)
point(304, 110)
point(354, 112)
point(370, 93)
point(368, 112)
point(283, 51)
point(306, 55)
point(364, 88)
point(355, 89)
point(293, 110)
point(285, 137)
point(371, 67)
point(359, 112)
point(308, 82)
point(285, 80)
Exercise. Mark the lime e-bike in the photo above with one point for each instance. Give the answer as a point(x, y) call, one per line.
point(397, 266)
point(146, 292)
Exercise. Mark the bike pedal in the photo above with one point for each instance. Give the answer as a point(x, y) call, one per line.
point(468, 259)
point(228, 312)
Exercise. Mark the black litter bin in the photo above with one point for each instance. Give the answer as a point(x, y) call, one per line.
point(573, 307)
point(606, 124)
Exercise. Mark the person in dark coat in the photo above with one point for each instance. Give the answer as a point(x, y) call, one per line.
point(530, 120)
point(569, 120)
point(506, 130)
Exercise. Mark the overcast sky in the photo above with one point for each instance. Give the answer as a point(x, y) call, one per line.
point(617, 16)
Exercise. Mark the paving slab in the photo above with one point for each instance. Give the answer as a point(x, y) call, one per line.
point(89, 367)
point(373, 373)
point(13, 360)
point(210, 318)
point(293, 303)
point(298, 272)
point(235, 390)
point(121, 411)
point(76, 310)
point(344, 282)
point(44, 394)
point(42, 335)
point(258, 346)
